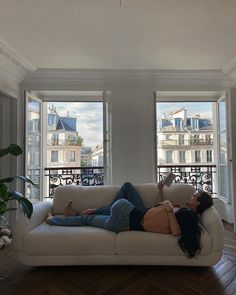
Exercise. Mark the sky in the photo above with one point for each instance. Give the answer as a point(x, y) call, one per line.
point(90, 116)
point(202, 108)
point(89, 119)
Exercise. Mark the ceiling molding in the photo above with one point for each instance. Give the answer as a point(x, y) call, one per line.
point(13, 62)
point(230, 67)
point(161, 79)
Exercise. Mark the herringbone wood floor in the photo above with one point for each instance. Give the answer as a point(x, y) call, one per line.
point(122, 280)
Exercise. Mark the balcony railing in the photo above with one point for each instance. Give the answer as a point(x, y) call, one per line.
point(184, 143)
point(202, 177)
point(63, 142)
point(86, 176)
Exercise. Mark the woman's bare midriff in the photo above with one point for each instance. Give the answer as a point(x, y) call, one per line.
point(156, 220)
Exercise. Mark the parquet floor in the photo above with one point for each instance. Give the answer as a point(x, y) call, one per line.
point(128, 280)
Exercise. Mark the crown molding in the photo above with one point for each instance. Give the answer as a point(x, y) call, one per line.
point(11, 61)
point(230, 67)
point(107, 78)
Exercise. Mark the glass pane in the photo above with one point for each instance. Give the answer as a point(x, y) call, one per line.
point(187, 126)
point(33, 150)
point(224, 182)
point(34, 109)
point(222, 115)
point(223, 148)
point(31, 191)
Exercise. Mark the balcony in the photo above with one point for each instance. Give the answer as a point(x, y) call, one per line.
point(86, 176)
point(68, 142)
point(184, 143)
point(202, 177)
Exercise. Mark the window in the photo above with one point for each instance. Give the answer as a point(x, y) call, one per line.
point(182, 157)
point(183, 127)
point(169, 157)
point(209, 156)
point(181, 139)
point(208, 139)
point(72, 156)
point(54, 156)
point(197, 156)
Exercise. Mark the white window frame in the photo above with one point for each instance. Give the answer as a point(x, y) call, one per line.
point(82, 96)
point(225, 210)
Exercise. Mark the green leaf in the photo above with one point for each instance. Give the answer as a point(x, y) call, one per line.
point(3, 208)
point(7, 180)
point(4, 193)
point(12, 149)
point(26, 179)
point(22, 178)
point(15, 149)
point(25, 204)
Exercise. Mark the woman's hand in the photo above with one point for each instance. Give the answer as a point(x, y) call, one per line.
point(168, 206)
point(88, 211)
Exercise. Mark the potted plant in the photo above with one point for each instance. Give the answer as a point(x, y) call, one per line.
point(6, 196)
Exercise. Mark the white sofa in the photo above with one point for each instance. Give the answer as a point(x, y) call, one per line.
point(37, 243)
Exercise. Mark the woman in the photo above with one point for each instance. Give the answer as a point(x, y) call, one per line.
point(127, 212)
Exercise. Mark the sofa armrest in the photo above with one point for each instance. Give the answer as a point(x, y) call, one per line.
point(211, 222)
point(24, 225)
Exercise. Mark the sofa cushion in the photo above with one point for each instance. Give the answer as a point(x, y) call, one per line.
point(146, 243)
point(83, 196)
point(72, 240)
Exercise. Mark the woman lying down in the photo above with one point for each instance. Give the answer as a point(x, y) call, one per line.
point(127, 212)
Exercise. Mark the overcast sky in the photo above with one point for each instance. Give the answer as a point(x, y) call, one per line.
point(89, 119)
point(202, 108)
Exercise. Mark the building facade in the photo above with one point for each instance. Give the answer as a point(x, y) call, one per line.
point(63, 141)
point(183, 139)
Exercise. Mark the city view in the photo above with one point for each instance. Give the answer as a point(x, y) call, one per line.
point(184, 133)
point(74, 134)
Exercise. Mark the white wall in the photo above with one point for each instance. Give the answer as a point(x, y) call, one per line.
point(133, 151)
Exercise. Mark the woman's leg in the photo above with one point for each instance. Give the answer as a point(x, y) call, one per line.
point(128, 192)
point(117, 221)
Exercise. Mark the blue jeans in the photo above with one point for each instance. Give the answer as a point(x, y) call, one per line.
point(114, 217)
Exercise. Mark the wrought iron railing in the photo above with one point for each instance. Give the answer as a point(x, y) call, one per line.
point(202, 177)
point(86, 176)
point(65, 142)
point(182, 143)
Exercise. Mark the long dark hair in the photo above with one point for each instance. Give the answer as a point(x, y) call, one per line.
point(190, 239)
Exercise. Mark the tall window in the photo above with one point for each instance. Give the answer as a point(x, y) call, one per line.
point(54, 156)
point(72, 156)
point(209, 156)
point(77, 125)
point(197, 156)
point(188, 125)
point(169, 157)
point(182, 158)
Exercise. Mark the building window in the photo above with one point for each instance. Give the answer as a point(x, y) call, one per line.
point(182, 158)
point(169, 157)
point(181, 139)
point(54, 156)
point(208, 139)
point(196, 139)
point(72, 156)
point(197, 156)
point(209, 156)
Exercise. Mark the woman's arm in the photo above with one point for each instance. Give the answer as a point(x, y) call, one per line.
point(174, 225)
point(159, 197)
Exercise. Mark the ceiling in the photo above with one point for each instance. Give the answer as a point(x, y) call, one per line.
point(139, 34)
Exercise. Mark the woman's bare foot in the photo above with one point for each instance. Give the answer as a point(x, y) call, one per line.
point(48, 217)
point(69, 211)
